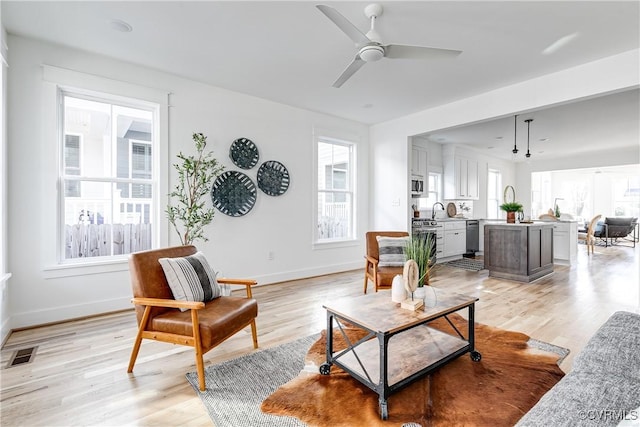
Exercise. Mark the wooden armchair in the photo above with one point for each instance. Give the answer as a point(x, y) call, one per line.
point(202, 326)
point(380, 276)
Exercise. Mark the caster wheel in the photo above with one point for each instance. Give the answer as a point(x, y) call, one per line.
point(325, 369)
point(476, 356)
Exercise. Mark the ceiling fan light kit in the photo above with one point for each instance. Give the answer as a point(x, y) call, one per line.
point(371, 53)
point(370, 46)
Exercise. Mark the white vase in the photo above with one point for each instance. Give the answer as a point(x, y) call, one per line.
point(398, 293)
point(420, 293)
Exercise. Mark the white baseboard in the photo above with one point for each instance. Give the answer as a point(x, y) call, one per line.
point(59, 314)
point(6, 331)
point(305, 273)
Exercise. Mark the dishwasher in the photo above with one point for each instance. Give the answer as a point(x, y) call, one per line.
point(473, 240)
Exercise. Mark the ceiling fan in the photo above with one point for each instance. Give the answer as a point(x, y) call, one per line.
point(370, 47)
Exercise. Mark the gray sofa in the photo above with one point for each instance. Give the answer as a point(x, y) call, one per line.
point(603, 385)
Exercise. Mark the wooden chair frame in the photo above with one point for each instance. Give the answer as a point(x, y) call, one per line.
point(371, 268)
point(193, 340)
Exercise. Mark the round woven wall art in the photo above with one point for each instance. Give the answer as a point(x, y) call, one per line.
point(244, 153)
point(233, 193)
point(273, 178)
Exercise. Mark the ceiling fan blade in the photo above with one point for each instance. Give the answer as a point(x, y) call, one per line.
point(344, 24)
point(398, 51)
point(355, 65)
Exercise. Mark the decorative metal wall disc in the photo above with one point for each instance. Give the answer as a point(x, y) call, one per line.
point(233, 193)
point(273, 178)
point(244, 153)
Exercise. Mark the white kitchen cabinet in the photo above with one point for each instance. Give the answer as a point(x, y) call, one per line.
point(460, 176)
point(419, 162)
point(466, 178)
point(455, 238)
point(565, 242)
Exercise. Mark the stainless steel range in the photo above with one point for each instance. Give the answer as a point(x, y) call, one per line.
point(423, 228)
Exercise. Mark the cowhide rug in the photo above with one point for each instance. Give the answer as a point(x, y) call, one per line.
point(497, 391)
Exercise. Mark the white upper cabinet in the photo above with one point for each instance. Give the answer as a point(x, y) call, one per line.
point(419, 161)
point(460, 176)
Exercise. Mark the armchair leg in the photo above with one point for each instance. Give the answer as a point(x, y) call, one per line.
point(254, 333)
point(366, 277)
point(138, 341)
point(134, 352)
point(195, 324)
point(200, 369)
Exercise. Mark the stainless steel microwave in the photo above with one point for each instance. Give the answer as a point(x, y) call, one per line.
point(417, 185)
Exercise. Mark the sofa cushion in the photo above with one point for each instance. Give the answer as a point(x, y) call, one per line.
point(584, 399)
point(191, 278)
point(619, 221)
point(613, 348)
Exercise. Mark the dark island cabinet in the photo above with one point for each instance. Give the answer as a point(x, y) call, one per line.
point(521, 252)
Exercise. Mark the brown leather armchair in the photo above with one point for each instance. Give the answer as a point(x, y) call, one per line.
point(380, 276)
point(202, 326)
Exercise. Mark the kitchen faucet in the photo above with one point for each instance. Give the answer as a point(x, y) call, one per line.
point(433, 210)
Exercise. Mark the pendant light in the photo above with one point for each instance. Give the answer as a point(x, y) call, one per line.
point(528, 155)
point(515, 129)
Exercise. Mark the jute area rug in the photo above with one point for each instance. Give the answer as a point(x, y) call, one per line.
point(282, 387)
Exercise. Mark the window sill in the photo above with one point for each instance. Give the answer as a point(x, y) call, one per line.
point(86, 268)
point(335, 244)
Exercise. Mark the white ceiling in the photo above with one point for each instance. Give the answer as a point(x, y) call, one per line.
point(291, 53)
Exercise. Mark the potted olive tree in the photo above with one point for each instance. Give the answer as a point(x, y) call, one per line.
point(196, 174)
point(511, 208)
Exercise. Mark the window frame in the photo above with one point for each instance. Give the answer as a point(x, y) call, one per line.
point(80, 150)
point(155, 211)
point(498, 189)
point(351, 191)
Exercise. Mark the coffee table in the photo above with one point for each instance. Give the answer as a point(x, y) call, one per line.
point(406, 347)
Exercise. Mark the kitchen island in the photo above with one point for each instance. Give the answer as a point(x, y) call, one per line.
point(521, 252)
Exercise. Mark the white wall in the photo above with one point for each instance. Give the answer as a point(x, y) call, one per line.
point(237, 247)
point(388, 140)
point(4, 274)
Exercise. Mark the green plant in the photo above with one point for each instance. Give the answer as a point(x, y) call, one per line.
point(196, 174)
point(420, 249)
point(511, 207)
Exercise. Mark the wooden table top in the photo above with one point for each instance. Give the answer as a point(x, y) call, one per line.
point(378, 313)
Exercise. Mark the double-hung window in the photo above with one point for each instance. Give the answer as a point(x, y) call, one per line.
point(335, 190)
point(108, 184)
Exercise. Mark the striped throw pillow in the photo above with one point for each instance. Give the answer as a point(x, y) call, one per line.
point(391, 251)
point(191, 278)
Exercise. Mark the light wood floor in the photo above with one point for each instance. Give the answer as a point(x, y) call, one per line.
point(78, 376)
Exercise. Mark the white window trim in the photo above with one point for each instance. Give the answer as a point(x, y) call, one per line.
point(348, 139)
point(498, 192)
point(80, 150)
point(56, 78)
